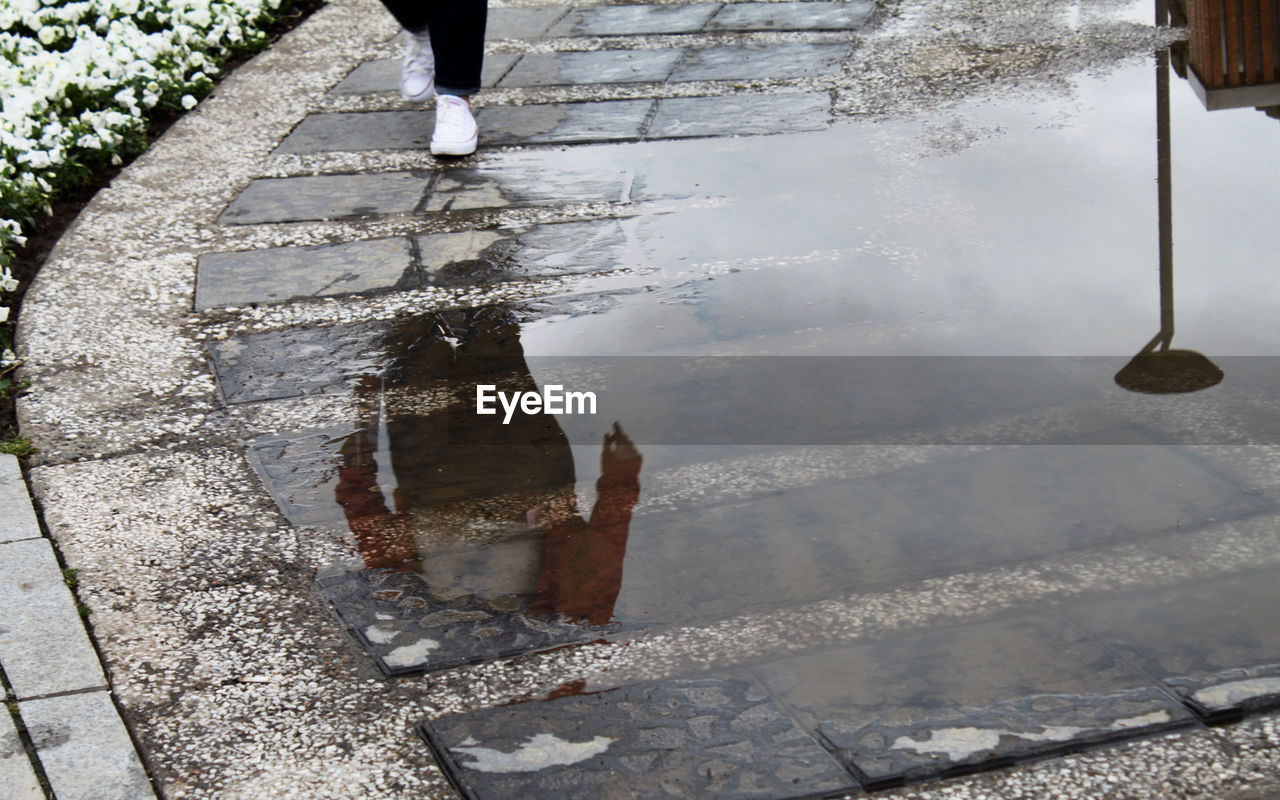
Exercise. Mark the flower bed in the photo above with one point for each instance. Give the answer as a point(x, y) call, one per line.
point(79, 82)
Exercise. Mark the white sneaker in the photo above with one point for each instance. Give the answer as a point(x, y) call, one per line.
point(418, 69)
point(456, 132)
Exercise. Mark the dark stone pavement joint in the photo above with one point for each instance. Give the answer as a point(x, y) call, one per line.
point(709, 738)
point(407, 630)
point(956, 740)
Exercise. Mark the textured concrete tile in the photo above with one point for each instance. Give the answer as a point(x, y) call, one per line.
point(564, 122)
point(792, 16)
point(383, 75)
point(935, 703)
point(520, 23)
point(709, 738)
point(288, 273)
point(635, 20)
point(85, 750)
point(545, 250)
point(598, 66)
point(361, 130)
point(742, 114)
point(762, 61)
point(19, 520)
point(17, 776)
point(407, 629)
point(1215, 644)
point(43, 645)
point(300, 472)
point(327, 197)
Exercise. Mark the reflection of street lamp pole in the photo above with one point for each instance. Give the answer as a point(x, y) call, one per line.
point(1157, 369)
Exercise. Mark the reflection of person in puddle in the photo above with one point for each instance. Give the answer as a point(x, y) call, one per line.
point(460, 477)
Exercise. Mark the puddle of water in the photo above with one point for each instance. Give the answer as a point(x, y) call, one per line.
point(999, 228)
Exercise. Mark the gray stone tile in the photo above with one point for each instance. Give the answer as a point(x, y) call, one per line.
point(713, 738)
point(361, 130)
point(17, 776)
point(406, 628)
point(1214, 644)
point(598, 66)
point(327, 197)
point(288, 273)
point(516, 182)
point(948, 700)
point(632, 20)
point(300, 472)
point(742, 114)
point(44, 648)
point(520, 23)
point(603, 121)
point(19, 516)
point(84, 748)
point(295, 363)
point(545, 250)
point(762, 61)
point(383, 75)
point(813, 16)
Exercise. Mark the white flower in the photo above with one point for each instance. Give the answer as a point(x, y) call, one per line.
point(4, 313)
point(188, 102)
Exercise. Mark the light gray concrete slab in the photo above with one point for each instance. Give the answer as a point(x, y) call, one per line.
point(43, 645)
point(17, 776)
point(19, 518)
point(84, 748)
point(383, 75)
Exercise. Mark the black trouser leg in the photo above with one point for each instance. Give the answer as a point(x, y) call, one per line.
point(457, 38)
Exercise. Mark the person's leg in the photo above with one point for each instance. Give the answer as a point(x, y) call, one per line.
point(457, 37)
point(417, 70)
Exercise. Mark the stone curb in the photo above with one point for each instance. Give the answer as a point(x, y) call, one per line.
point(55, 686)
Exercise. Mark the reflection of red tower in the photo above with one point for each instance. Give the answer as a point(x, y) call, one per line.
point(1233, 51)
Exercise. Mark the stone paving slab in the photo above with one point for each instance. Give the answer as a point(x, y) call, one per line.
point(320, 197)
point(406, 628)
point(520, 23)
point(952, 699)
point(1234, 671)
point(808, 16)
point(742, 114)
point(19, 517)
point(274, 365)
point(762, 61)
point(84, 748)
point(361, 130)
point(528, 183)
point(289, 273)
point(43, 645)
point(17, 776)
point(635, 20)
point(383, 75)
point(596, 66)
point(714, 738)
point(608, 120)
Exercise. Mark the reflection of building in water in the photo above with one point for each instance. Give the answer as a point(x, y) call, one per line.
point(1232, 54)
point(477, 506)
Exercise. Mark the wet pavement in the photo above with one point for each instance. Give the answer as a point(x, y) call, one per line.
point(871, 487)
